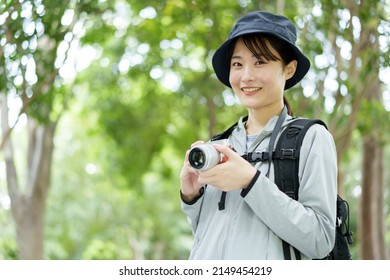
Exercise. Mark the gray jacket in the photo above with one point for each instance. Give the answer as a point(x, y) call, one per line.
point(252, 226)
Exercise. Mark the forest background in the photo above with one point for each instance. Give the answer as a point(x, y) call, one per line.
point(101, 99)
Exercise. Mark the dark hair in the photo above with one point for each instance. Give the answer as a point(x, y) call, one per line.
point(257, 44)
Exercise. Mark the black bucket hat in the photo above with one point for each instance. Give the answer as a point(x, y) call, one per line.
point(261, 22)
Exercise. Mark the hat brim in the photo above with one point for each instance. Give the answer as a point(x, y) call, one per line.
point(221, 62)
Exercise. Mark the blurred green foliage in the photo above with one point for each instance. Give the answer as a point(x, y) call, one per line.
point(149, 92)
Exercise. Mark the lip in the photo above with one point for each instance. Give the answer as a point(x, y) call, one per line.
point(250, 90)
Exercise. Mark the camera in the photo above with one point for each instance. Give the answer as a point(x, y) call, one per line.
point(205, 156)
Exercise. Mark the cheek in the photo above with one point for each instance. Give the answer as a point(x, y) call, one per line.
point(231, 75)
point(234, 78)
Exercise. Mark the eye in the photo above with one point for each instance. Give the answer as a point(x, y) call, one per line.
point(236, 64)
point(260, 62)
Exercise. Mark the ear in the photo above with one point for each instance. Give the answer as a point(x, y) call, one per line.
point(290, 69)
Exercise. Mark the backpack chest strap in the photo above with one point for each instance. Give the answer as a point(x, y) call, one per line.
point(264, 156)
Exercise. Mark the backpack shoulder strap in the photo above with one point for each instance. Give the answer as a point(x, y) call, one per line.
point(286, 159)
point(286, 164)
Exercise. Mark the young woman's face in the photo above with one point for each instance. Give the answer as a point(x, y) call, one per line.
point(258, 82)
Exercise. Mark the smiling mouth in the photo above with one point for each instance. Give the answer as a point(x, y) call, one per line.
point(250, 89)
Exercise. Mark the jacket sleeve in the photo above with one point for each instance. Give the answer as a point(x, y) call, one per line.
point(309, 223)
point(192, 209)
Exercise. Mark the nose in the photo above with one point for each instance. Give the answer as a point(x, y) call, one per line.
point(248, 74)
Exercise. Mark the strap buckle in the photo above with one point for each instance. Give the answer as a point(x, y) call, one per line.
point(288, 154)
point(256, 156)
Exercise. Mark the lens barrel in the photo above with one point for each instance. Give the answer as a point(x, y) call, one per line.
point(204, 157)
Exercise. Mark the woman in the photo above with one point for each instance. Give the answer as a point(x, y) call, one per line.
point(259, 61)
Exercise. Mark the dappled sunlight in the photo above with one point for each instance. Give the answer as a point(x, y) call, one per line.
point(104, 98)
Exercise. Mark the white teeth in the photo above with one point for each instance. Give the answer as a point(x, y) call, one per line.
point(250, 89)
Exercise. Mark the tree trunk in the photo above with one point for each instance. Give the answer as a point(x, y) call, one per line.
point(31, 206)
point(29, 227)
point(372, 219)
point(372, 228)
point(28, 205)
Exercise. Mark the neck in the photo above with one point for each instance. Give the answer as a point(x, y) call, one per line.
point(257, 120)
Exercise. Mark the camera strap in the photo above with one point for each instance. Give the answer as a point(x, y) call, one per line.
point(274, 134)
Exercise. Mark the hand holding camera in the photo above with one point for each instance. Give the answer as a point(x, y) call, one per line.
point(205, 156)
point(215, 163)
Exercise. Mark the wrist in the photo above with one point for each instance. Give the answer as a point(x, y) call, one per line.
point(245, 191)
point(191, 199)
point(187, 197)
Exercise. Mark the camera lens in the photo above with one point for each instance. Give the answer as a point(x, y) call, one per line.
point(197, 158)
point(204, 157)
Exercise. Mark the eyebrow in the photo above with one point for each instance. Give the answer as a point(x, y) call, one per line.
point(257, 56)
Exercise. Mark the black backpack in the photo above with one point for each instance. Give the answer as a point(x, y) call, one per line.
point(286, 163)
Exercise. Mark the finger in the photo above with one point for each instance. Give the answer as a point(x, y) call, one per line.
point(197, 143)
point(227, 151)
